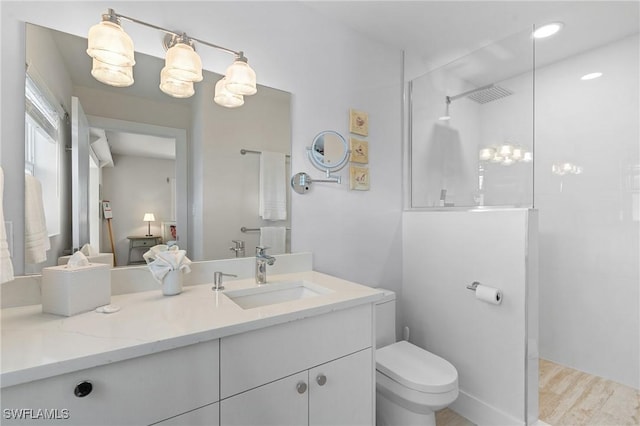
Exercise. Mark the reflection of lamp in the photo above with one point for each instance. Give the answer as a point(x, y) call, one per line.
point(149, 217)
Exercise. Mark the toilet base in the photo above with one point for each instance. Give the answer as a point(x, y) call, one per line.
point(388, 413)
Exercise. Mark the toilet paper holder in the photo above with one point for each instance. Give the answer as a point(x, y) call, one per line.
point(473, 286)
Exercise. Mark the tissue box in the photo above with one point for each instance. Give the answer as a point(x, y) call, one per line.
point(69, 291)
point(106, 258)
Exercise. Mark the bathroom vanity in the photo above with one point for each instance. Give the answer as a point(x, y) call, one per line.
point(296, 356)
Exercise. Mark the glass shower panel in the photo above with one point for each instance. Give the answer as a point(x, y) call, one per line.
point(471, 129)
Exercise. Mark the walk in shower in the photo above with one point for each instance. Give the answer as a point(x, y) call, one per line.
point(516, 126)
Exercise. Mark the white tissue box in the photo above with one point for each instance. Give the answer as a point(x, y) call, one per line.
point(106, 258)
point(69, 291)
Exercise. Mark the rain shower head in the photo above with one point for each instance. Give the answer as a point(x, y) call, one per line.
point(483, 94)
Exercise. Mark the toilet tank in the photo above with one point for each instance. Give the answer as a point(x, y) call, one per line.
point(386, 319)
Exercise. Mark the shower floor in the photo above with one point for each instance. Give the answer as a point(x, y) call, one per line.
point(574, 398)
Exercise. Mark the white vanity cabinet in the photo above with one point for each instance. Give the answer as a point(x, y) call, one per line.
point(317, 370)
point(137, 391)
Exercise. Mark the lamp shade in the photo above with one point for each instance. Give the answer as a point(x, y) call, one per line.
point(241, 79)
point(112, 75)
point(183, 63)
point(149, 217)
point(224, 97)
point(108, 43)
point(175, 87)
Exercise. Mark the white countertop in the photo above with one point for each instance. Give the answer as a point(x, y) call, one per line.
point(37, 345)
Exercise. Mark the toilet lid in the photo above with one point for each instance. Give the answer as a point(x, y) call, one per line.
point(416, 368)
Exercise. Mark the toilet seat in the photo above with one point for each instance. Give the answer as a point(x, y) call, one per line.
point(416, 368)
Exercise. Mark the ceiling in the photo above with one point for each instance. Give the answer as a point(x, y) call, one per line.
point(434, 33)
point(438, 32)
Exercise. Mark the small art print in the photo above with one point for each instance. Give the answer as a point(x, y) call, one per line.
point(359, 178)
point(359, 122)
point(359, 151)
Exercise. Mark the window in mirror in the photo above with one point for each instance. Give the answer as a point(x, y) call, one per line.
point(42, 123)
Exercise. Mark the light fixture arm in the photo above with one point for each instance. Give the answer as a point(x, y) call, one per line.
point(111, 15)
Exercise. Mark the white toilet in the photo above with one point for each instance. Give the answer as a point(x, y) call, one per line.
point(411, 383)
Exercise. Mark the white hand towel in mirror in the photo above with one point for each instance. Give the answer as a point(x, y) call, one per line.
point(273, 186)
point(36, 238)
point(274, 237)
point(6, 267)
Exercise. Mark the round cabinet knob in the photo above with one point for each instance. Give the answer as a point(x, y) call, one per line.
point(321, 379)
point(301, 387)
point(83, 389)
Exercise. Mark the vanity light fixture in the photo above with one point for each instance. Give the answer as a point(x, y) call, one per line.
point(113, 60)
point(548, 30)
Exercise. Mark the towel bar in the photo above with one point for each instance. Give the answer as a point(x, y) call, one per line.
point(245, 229)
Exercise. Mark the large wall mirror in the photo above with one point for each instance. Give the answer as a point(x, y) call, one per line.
point(190, 162)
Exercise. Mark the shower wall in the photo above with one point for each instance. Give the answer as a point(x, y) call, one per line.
point(589, 214)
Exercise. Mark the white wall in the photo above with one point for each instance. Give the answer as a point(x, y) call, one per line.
point(326, 67)
point(589, 263)
point(135, 186)
point(443, 252)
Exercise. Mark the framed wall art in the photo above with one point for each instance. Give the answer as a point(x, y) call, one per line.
point(359, 122)
point(359, 151)
point(359, 178)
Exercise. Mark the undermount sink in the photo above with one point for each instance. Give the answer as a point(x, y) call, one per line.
point(276, 292)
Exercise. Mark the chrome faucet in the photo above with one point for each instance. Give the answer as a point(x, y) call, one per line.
point(262, 260)
point(239, 248)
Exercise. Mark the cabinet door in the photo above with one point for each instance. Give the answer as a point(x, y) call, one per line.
point(341, 392)
point(280, 403)
point(209, 415)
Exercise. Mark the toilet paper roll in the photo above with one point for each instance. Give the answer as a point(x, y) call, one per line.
point(489, 294)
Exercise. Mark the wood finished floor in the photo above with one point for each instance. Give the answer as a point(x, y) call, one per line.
point(569, 397)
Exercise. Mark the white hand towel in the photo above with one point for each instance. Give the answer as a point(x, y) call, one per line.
point(6, 267)
point(168, 260)
point(274, 237)
point(273, 186)
point(36, 238)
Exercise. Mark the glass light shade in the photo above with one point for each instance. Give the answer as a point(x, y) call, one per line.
point(527, 157)
point(111, 74)
point(507, 161)
point(496, 158)
point(149, 217)
point(241, 79)
point(486, 154)
point(517, 154)
point(506, 150)
point(224, 97)
point(183, 63)
point(175, 87)
point(108, 43)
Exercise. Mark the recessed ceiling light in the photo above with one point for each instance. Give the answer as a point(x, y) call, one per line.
point(548, 30)
point(591, 76)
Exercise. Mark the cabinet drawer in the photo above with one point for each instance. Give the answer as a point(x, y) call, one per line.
point(205, 416)
point(143, 243)
point(137, 391)
point(257, 357)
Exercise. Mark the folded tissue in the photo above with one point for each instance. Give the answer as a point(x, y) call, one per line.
point(78, 286)
point(167, 266)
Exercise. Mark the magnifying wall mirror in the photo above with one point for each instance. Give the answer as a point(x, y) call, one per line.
point(329, 151)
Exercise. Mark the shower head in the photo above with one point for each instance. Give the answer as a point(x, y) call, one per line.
point(483, 94)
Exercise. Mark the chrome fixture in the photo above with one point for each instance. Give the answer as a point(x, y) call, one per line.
point(262, 260)
point(113, 59)
point(217, 280)
point(239, 248)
